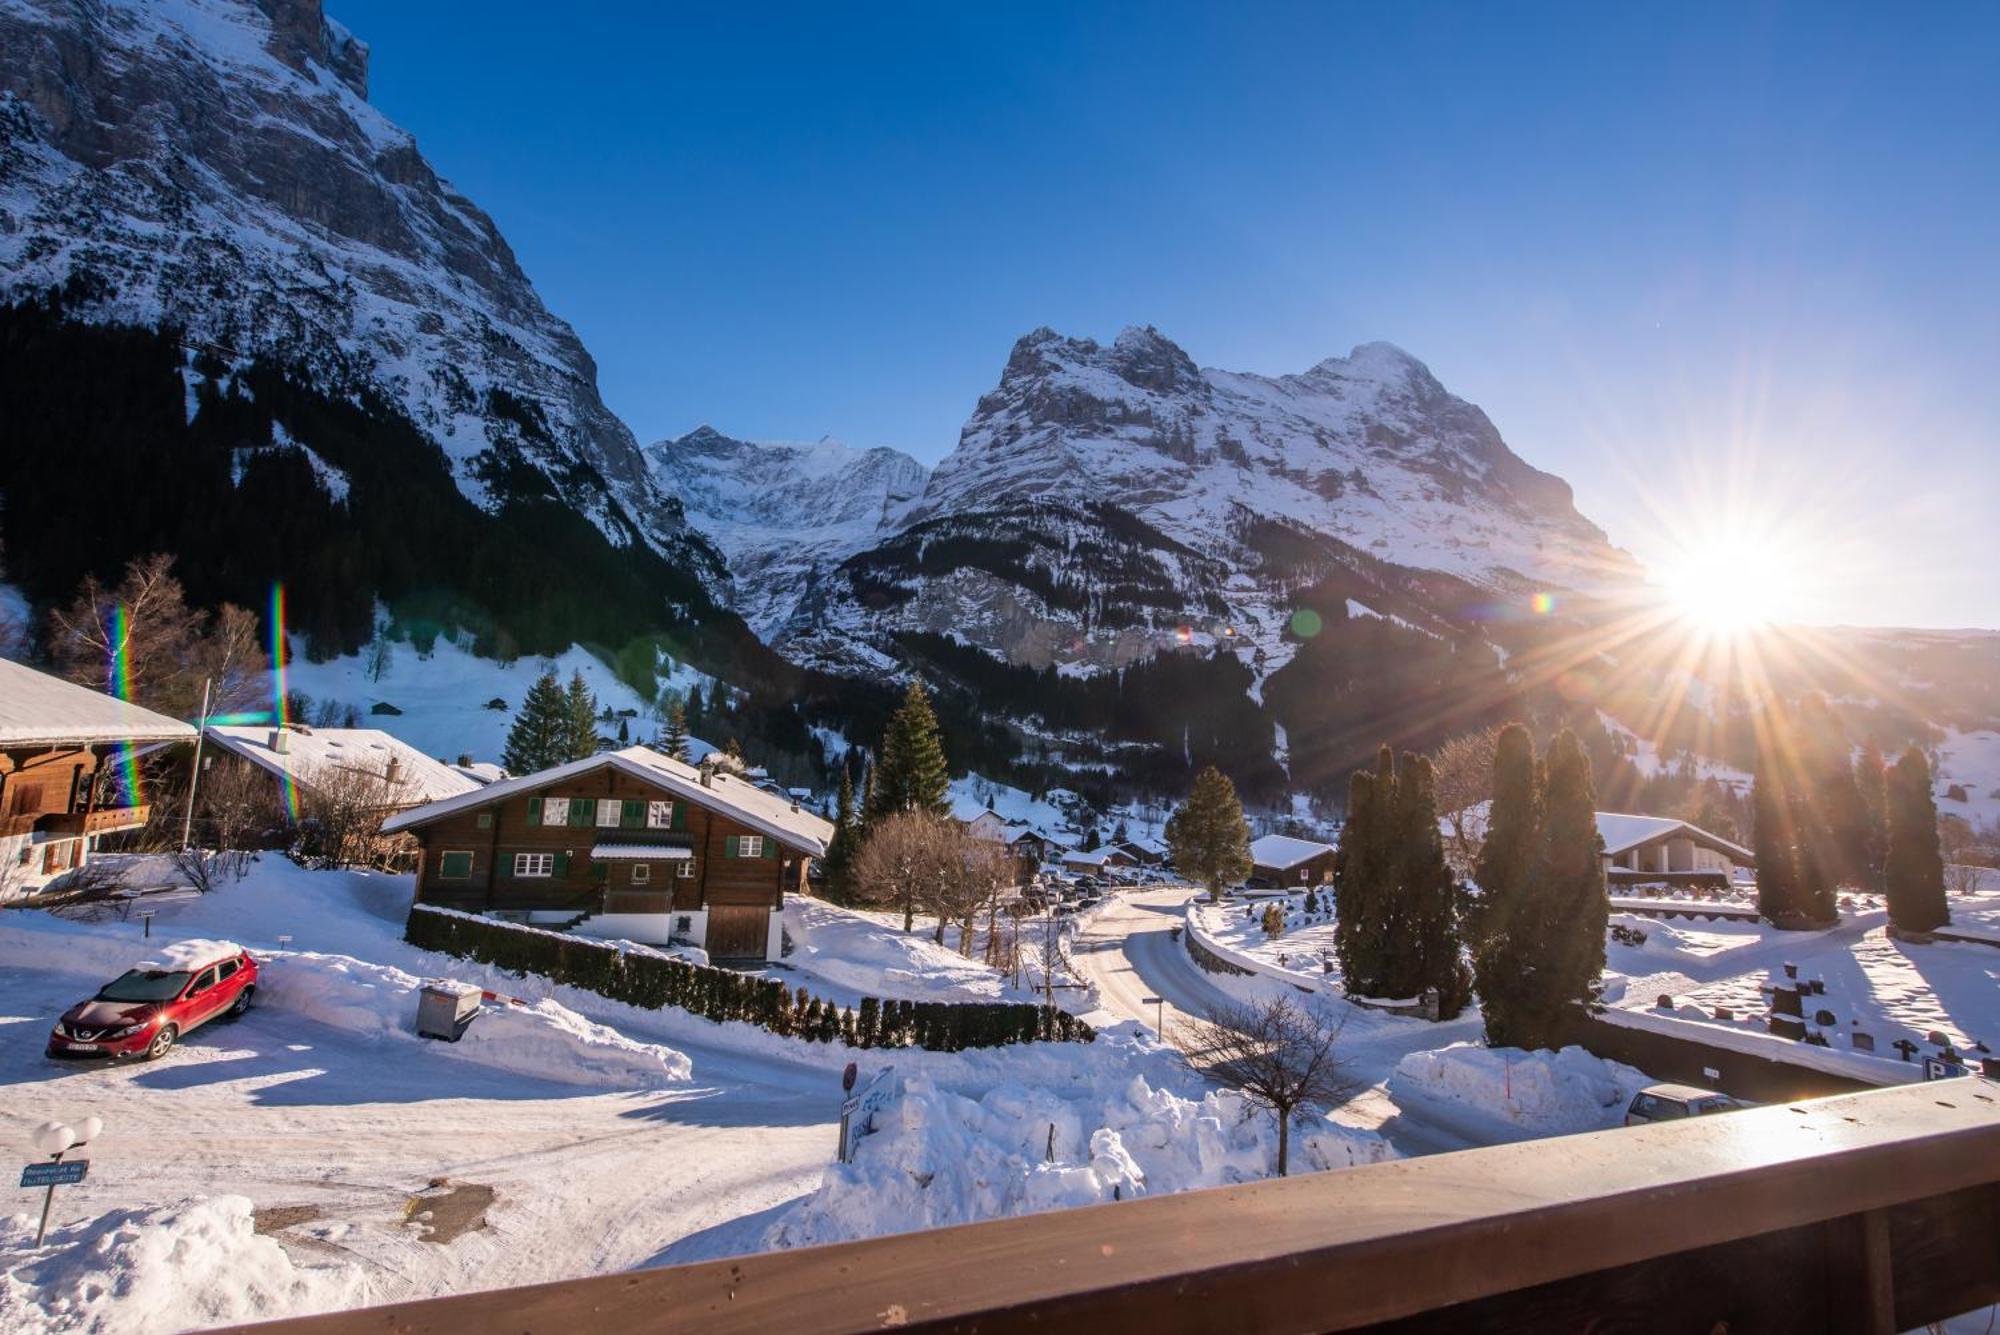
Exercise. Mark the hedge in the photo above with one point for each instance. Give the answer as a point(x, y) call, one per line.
point(656, 981)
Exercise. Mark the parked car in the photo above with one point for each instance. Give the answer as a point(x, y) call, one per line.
point(1671, 1103)
point(149, 1008)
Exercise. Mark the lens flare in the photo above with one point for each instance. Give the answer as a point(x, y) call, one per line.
point(278, 691)
point(1543, 604)
point(1306, 623)
point(120, 645)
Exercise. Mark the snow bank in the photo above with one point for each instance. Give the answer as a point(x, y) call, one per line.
point(928, 1157)
point(189, 1265)
point(544, 1039)
point(858, 953)
point(1540, 1093)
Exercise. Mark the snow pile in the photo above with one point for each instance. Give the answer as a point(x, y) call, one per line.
point(858, 952)
point(187, 956)
point(189, 1265)
point(1540, 1093)
point(926, 1157)
point(545, 1039)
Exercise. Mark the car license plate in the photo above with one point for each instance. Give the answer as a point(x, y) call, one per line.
point(86, 1047)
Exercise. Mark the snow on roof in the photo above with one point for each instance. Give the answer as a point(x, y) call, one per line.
point(792, 826)
point(37, 708)
point(311, 754)
point(1095, 857)
point(641, 852)
point(482, 772)
point(1623, 832)
point(1283, 851)
point(187, 956)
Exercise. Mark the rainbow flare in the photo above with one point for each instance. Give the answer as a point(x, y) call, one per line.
point(278, 714)
point(120, 645)
point(1543, 604)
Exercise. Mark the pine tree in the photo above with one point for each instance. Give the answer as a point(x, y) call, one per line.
point(579, 735)
point(539, 737)
point(674, 735)
point(1870, 780)
point(1363, 870)
point(840, 849)
point(1914, 870)
point(1772, 845)
point(911, 775)
point(1514, 817)
point(1426, 926)
point(1207, 836)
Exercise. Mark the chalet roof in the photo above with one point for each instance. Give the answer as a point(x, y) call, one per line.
point(1095, 857)
point(798, 829)
point(1282, 851)
point(313, 753)
point(38, 709)
point(1623, 832)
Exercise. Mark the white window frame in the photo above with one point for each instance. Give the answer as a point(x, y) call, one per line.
point(555, 811)
point(659, 815)
point(614, 808)
point(534, 866)
point(749, 845)
point(684, 868)
point(642, 873)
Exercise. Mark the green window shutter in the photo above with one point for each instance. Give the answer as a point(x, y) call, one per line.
point(633, 814)
point(679, 820)
point(770, 847)
point(534, 811)
point(455, 866)
point(600, 871)
point(582, 811)
point(562, 864)
point(729, 846)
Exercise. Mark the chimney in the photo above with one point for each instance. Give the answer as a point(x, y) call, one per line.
point(707, 768)
point(281, 742)
point(394, 770)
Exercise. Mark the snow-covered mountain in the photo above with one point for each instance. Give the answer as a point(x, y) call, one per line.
point(783, 513)
point(214, 165)
point(1106, 500)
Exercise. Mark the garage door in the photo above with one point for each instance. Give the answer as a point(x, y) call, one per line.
point(737, 932)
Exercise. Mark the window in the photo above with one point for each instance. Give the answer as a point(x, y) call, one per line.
point(485, 821)
point(609, 809)
point(684, 869)
point(535, 864)
point(454, 866)
point(642, 873)
point(228, 970)
point(555, 811)
point(203, 982)
point(683, 923)
point(659, 815)
point(743, 846)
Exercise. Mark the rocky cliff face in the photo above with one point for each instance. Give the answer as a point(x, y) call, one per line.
point(214, 165)
point(1105, 502)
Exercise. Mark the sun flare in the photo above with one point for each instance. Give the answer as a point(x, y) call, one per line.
point(1730, 585)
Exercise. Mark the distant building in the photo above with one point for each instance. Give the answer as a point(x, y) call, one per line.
point(1097, 859)
point(58, 743)
point(312, 757)
point(1285, 861)
point(1662, 850)
point(1146, 851)
point(628, 844)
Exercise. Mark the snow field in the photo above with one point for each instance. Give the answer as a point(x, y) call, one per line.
point(1536, 1093)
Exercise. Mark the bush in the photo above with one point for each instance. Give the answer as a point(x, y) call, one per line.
point(657, 982)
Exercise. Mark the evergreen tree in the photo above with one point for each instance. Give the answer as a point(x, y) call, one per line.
point(1870, 778)
point(1207, 836)
point(1506, 859)
point(579, 736)
point(912, 775)
point(1363, 869)
point(840, 848)
point(1772, 844)
point(1425, 929)
point(674, 734)
point(539, 737)
point(1569, 883)
point(1914, 870)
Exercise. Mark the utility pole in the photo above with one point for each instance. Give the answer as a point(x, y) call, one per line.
point(201, 735)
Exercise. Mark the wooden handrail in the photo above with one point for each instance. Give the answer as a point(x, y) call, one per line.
point(1868, 1212)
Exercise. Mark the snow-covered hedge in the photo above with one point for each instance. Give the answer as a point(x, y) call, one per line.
point(647, 978)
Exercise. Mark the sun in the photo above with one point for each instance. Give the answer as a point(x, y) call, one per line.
point(1729, 584)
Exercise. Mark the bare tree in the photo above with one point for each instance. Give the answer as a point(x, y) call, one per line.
point(164, 648)
point(1962, 878)
point(341, 810)
point(1278, 1053)
point(1462, 776)
point(903, 858)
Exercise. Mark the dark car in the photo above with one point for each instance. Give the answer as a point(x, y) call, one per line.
point(148, 1009)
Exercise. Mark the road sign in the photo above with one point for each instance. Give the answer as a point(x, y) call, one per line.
point(847, 1076)
point(1943, 1068)
point(65, 1174)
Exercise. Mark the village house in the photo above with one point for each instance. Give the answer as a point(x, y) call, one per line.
point(1664, 851)
point(627, 844)
point(1097, 859)
point(59, 744)
point(399, 775)
point(1281, 860)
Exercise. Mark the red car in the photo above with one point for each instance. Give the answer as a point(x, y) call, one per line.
point(152, 1007)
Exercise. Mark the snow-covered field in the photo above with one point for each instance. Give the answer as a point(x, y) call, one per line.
point(845, 954)
point(1304, 947)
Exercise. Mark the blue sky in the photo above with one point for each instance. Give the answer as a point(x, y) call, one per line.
point(1727, 268)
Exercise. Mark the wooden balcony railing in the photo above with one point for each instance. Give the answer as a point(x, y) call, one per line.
point(101, 821)
point(1874, 1212)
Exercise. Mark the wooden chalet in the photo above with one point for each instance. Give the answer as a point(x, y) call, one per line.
point(1284, 861)
point(627, 844)
point(59, 744)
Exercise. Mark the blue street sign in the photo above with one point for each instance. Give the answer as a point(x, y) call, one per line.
point(65, 1174)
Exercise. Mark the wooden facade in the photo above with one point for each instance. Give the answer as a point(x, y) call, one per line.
point(52, 809)
point(608, 848)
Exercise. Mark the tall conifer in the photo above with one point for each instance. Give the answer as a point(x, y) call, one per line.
point(1914, 870)
point(579, 719)
point(1207, 836)
point(911, 774)
point(538, 738)
point(674, 735)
